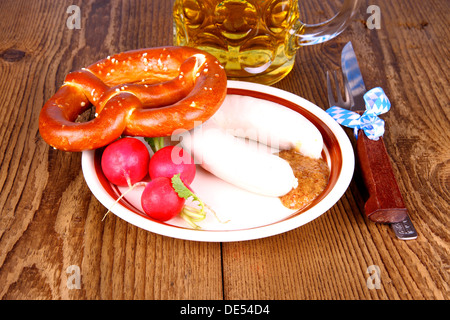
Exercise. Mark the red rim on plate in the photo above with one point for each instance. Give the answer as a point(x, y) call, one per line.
point(335, 140)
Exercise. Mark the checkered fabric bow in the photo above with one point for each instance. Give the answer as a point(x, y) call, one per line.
point(376, 103)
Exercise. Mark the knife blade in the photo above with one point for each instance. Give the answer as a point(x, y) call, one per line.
point(385, 203)
point(352, 73)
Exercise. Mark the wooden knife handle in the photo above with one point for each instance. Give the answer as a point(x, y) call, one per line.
point(385, 202)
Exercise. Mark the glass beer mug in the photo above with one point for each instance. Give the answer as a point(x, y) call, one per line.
point(255, 40)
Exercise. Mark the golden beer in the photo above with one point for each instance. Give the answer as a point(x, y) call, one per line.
point(255, 40)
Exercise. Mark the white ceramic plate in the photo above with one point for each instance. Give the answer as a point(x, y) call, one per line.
point(249, 216)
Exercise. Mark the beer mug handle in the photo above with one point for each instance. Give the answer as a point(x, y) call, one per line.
point(309, 34)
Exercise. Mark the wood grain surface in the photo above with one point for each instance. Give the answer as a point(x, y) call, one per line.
point(50, 221)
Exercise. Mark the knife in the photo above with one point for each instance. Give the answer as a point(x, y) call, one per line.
point(385, 203)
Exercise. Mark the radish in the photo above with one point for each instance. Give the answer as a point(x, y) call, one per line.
point(125, 161)
point(160, 201)
point(171, 160)
point(164, 198)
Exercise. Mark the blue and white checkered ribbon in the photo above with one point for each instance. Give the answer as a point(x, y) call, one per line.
point(376, 103)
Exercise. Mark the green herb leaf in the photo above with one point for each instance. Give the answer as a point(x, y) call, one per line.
point(180, 188)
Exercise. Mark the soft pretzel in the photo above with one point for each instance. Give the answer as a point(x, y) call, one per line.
point(148, 92)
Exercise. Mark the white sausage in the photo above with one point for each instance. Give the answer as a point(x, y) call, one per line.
point(235, 161)
point(269, 123)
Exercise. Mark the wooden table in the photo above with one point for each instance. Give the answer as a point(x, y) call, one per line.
point(51, 225)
